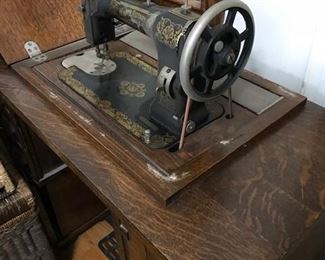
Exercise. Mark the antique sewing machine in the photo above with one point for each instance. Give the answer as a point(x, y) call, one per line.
point(197, 62)
point(170, 100)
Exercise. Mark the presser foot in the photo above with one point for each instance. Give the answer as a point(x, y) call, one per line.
point(89, 62)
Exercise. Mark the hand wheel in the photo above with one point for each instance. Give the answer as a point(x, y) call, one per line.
point(213, 57)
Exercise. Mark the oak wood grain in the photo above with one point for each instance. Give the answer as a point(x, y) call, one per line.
point(203, 150)
point(251, 207)
point(196, 227)
point(266, 202)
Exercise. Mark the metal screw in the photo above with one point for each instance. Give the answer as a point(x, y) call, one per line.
point(190, 127)
point(147, 136)
point(231, 58)
point(125, 231)
point(218, 47)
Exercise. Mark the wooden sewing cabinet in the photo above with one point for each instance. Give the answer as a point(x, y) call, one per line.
point(255, 192)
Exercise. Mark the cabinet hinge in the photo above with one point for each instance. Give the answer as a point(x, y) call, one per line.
point(34, 51)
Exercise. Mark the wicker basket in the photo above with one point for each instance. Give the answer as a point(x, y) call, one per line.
point(21, 233)
point(23, 238)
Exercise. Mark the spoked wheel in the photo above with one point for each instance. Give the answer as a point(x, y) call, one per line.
point(213, 57)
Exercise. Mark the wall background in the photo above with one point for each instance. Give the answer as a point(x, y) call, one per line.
point(289, 44)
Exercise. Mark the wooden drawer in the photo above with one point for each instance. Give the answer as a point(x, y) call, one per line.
point(131, 244)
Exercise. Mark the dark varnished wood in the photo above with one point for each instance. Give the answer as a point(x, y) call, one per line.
point(203, 150)
point(96, 160)
point(67, 206)
point(258, 205)
point(49, 23)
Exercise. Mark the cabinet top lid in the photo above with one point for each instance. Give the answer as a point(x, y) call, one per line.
point(49, 23)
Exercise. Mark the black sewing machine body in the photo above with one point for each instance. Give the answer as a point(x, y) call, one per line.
point(152, 100)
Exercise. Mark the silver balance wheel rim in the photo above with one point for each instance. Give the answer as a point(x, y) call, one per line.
point(193, 38)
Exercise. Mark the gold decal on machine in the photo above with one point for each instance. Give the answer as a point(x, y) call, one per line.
point(132, 89)
point(169, 32)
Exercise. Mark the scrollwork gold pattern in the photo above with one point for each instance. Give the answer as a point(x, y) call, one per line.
point(169, 32)
point(126, 88)
point(104, 105)
point(134, 60)
point(132, 89)
point(135, 14)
